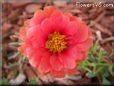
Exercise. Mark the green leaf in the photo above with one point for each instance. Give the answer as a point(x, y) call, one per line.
point(94, 48)
point(94, 64)
point(104, 72)
point(92, 58)
point(13, 65)
point(33, 81)
point(0, 63)
point(87, 69)
point(111, 71)
point(105, 81)
point(4, 81)
point(82, 64)
point(99, 69)
point(100, 55)
point(91, 74)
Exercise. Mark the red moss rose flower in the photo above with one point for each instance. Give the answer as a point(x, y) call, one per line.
point(55, 42)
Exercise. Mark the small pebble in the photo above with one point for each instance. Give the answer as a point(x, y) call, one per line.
point(60, 3)
point(32, 8)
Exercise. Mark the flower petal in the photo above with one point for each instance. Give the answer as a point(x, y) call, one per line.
point(55, 63)
point(82, 33)
point(35, 60)
point(85, 46)
point(68, 59)
point(34, 35)
point(72, 71)
point(23, 30)
point(72, 28)
point(71, 17)
point(44, 65)
point(53, 24)
point(49, 10)
point(81, 55)
point(58, 74)
point(40, 15)
point(22, 48)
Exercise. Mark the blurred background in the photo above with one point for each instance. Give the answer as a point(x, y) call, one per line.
point(17, 70)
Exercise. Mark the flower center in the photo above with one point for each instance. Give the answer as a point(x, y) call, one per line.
point(56, 42)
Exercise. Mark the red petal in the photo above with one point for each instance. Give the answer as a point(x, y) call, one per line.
point(57, 19)
point(71, 17)
point(85, 46)
point(22, 48)
point(34, 35)
point(40, 15)
point(80, 55)
point(44, 65)
point(35, 59)
point(23, 30)
point(72, 71)
point(53, 23)
point(55, 63)
point(68, 59)
point(49, 10)
point(82, 33)
point(58, 74)
point(68, 63)
point(72, 28)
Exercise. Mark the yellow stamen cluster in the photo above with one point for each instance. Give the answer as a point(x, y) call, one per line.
point(56, 42)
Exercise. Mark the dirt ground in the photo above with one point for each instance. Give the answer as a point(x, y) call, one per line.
point(14, 13)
